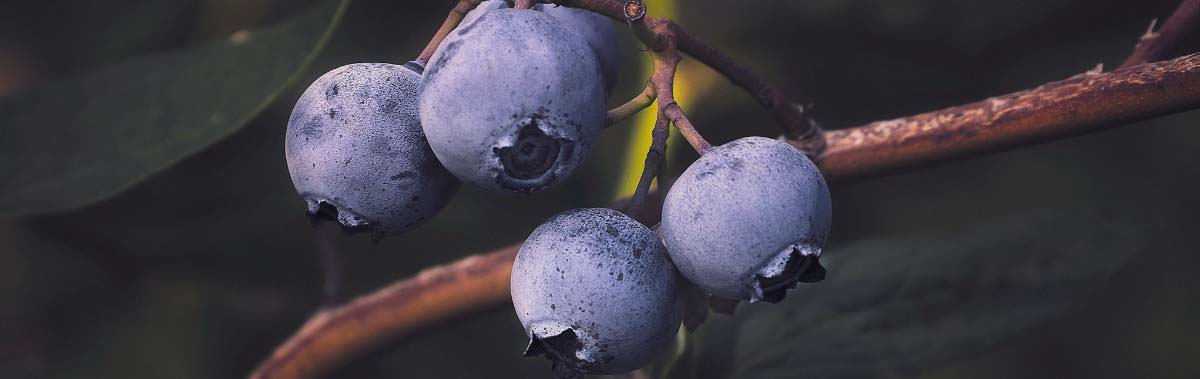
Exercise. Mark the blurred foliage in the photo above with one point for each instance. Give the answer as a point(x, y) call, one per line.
point(84, 138)
point(200, 270)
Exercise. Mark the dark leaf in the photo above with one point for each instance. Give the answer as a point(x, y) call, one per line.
point(81, 140)
point(905, 306)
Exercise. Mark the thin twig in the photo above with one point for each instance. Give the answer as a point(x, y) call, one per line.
point(481, 282)
point(654, 158)
point(456, 15)
point(632, 107)
point(1157, 45)
point(666, 61)
point(801, 129)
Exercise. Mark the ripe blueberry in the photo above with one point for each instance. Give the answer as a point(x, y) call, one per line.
point(357, 154)
point(513, 101)
point(595, 28)
point(748, 219)
point(595, 292)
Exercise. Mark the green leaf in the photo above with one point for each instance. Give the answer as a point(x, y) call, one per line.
point(899, 307)
point(81, 140)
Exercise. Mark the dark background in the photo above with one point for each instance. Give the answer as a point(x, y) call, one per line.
point(199, 271)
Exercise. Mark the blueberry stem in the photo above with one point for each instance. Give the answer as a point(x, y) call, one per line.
point(666, 61)
point(663, 35)
point(654, 158)
point(456, 15)
point(632, 107)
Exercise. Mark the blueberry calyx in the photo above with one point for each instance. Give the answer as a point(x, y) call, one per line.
point(793, 266)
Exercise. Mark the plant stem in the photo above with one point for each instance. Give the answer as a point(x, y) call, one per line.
point(456, 15)
point(1084, 103)
point(632, 107)
point(1161, 44)
point(658, 33)
point(654, 157)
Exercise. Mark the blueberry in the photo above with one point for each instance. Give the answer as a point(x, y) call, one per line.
point(597, 29)
point(513, 102)
point(483, 8)
point(748, 220)
point(357, 154)
point(595, 292)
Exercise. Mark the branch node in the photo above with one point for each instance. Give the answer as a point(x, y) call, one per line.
point(635, 10)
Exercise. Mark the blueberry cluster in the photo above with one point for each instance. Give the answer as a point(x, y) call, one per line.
point(512, 101)
point(598, 292)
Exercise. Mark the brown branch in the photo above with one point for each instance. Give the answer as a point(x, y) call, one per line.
point(1078, 105)
point(1082, 104)
point(456, 15)
point(1162, 44)
point(801, 129)
point(331, 336)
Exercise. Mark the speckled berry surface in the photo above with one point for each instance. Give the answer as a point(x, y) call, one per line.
point(748, 220)
point(604, 280)
point(483, 8)
point(354, 143)
point(598, 30)
point(513, 101)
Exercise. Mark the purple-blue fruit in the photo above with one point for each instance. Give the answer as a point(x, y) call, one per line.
point(747, 220)
point(357, 153)
point(595, 28)
point(598, 31)
point(512, 102)
point(595, 292)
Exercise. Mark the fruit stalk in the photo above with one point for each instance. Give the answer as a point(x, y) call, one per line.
point(666, 60)
point(795, 121)
point(631, 107)
point(456, 15)
point(654, 158)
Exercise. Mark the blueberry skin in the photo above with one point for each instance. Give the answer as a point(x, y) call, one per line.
point(748, 220)
point(355, 146)
point(605, 281)
point(483, 8)
point(512, 102)
point(597, 29)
